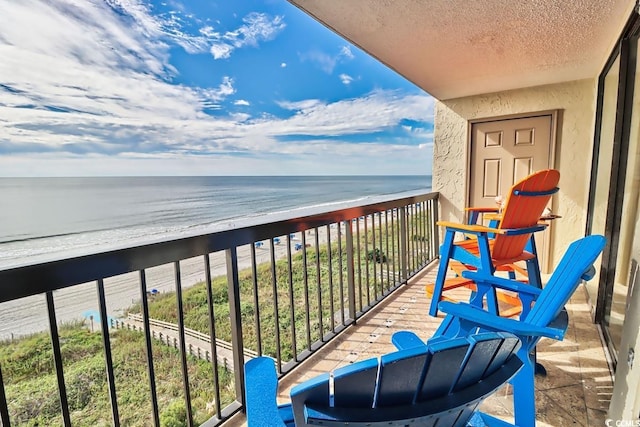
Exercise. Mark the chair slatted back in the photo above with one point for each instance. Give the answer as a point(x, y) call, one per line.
point(578, 260)
point(523, 208)
point(440, 384)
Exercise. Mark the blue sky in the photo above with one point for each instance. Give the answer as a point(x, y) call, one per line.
point(128, 87)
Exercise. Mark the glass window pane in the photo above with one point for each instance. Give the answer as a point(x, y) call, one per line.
point(607, 130)
point(629, 232)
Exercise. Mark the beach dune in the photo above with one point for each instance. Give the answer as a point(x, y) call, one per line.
point(29, 315)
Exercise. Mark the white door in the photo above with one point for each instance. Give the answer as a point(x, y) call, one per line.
point(505, 151)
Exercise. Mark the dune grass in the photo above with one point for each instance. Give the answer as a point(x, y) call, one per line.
point(314, 285)
point(32, 391)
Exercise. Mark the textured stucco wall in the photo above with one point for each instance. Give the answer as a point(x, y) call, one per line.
point(576, 104)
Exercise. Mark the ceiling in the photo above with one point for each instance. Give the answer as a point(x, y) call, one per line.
point(455, 48)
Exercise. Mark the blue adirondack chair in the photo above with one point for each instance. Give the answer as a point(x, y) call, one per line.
point(499, 247)
point(546, 318)
point(440, 384)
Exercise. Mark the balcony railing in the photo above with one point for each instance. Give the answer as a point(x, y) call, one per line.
point(281, 288)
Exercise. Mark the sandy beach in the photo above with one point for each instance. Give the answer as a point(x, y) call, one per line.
point(29, 315)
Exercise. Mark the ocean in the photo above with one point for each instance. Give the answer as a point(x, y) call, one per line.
point(44, 218)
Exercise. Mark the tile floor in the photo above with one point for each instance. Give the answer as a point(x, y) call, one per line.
point(576, 391)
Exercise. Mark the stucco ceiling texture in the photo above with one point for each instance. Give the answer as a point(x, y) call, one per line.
point(455, 48)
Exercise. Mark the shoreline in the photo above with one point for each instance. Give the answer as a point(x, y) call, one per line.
point(29, 315)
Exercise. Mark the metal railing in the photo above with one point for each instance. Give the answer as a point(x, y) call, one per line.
point(282, 288)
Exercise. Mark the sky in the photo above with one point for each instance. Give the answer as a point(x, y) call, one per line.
point(193, 87)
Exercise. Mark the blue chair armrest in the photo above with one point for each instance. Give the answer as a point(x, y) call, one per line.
point(502, 283)
point(260, 393)
point(478, 229)
point(475, 229)
point(404, 340)
point(489, 321)
point(516, 231)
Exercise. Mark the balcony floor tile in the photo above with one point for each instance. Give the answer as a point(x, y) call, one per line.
point(576, 390)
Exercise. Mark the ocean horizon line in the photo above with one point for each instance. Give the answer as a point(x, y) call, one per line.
point(216, 176)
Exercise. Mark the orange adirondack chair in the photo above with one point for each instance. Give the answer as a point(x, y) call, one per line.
point(497, 248)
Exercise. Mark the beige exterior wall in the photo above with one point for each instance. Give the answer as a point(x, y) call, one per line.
point(576, 104)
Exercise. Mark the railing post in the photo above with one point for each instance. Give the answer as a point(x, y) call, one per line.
point(351, 277)
point(144, 318)
point(57, 359)
point(4, 408)
point(182, 342)
point(235, 315)
point(404, 251)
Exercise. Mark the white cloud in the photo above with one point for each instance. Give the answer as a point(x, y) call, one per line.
point(345, 79)
point(221, 50)
point(257, 27)
point(345, 52)
point(283, 65)
point(104, 104)
point(211, 97)
point(240, 117)
point(208, 31)
point(105, 88)
point(306, 104)
point(374, 112)
point(370, 161)
point(325, 61)
point(107, 41)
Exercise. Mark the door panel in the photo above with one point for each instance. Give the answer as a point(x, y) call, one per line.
point(505, 151)
point(521, 168)
point(502, 153)
point(491, 178)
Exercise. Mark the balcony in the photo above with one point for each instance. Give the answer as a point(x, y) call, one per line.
point(314, 292)
point(576, 390)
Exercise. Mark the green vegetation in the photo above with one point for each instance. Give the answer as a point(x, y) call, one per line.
point(377, 255)
point(311, 299)
point(32, 392)
point(196, 309)
point(312, 273)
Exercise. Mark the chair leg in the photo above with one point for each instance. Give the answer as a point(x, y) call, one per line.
point(533, 271)
point(445, 254)
point(524, 400)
